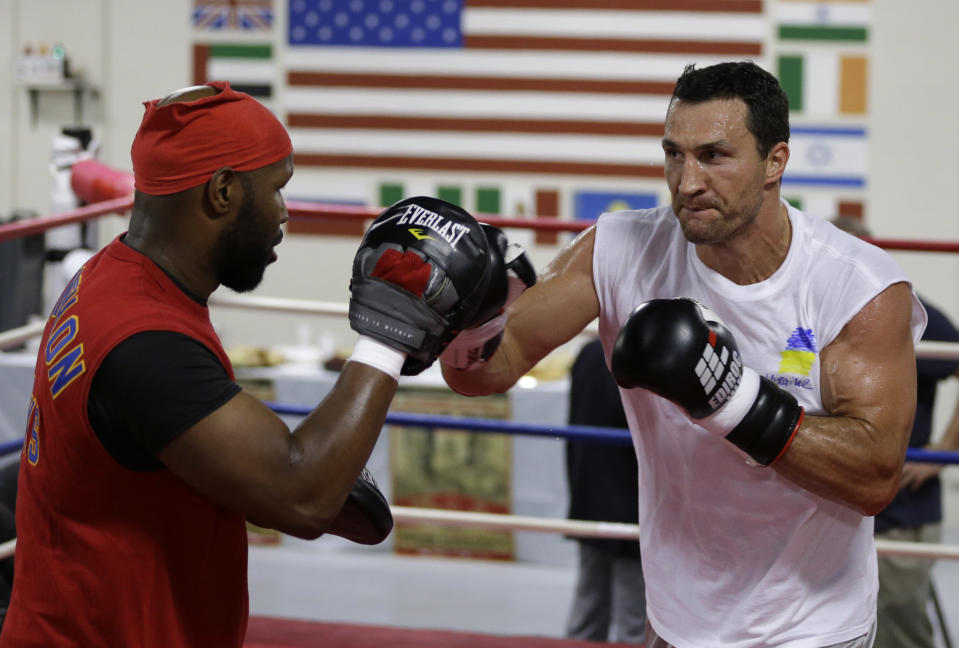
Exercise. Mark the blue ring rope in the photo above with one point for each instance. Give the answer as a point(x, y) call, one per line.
point(570, 432)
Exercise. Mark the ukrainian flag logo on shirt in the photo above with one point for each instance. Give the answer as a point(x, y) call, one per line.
point(800, 353)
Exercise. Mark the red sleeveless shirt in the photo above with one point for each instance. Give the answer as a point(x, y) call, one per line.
point(107, 556)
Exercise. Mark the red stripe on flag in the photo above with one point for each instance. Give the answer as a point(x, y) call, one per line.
point(641, 45)
point(469, 82)
point(480, 164)
point(701, 6)
point(475, 125)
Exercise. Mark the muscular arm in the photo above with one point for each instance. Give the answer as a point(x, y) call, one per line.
point(245, 457)
point(855, 454)
point(552, 312)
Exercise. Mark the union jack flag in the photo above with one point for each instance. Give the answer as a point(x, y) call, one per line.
point(246, 15)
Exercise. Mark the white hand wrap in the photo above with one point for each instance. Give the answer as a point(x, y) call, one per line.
point(379, 356)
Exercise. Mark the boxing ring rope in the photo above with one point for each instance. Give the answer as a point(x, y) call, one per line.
point(583, 529)
point(320, 211)
point(616, 530)
point(117, 202)
point(15, 336)
point(280, 304)
point(575, 528)
point(21, 228)
point(925, 349)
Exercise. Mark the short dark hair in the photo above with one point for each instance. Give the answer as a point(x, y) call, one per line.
point(768, 106)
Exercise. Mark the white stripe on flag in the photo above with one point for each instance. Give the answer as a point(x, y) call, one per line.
point(832, 14)
point(820, 84)
point(469, 103)
point(328, 184)
point(543, 65)
point(828, 156)
point(579, 101)
point(668, 25)
point(242, 70)
point(512, 146)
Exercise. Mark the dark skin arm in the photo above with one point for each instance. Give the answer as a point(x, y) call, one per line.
point(245, 457)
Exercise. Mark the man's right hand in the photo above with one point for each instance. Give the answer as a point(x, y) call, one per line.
point(423, 272)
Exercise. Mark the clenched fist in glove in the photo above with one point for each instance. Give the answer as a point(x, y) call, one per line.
point(476, 344)
point(679, 349)
point(424, 271)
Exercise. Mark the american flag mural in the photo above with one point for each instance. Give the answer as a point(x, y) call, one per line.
point(545, 106)
point(569, 88)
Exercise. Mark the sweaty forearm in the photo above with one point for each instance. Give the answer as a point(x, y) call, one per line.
point(330, 447)
point(846, 460)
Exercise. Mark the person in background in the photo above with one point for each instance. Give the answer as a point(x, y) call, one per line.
point(609, 603)
point(915, 514)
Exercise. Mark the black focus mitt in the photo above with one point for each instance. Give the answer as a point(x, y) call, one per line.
point(365, 517)
point(423, 272)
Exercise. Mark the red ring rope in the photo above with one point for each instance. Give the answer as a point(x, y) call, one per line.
point(308, 210)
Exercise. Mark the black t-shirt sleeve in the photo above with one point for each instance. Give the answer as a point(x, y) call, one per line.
point(150, 389)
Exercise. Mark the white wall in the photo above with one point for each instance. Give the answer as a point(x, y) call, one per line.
point(132, 50)
point(914, 193)
point(7, 150)
point(126, 50)
point(914, 127)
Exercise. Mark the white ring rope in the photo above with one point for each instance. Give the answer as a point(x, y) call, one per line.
point(13, 337)
point(615, 530)
point(499, 521)
point(584, 529)
point(280, 304)
point(925, 350)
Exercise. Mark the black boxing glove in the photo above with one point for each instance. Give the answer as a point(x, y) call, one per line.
point(476, 344)
point(679, 349)
point(421, 274)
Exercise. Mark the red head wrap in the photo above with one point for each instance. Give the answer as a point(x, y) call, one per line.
point(180, 145)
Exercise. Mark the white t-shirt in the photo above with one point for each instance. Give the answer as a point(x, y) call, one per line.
point(735, 555)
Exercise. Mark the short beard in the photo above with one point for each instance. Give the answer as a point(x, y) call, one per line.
point(241, 255)
point(722, 230)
